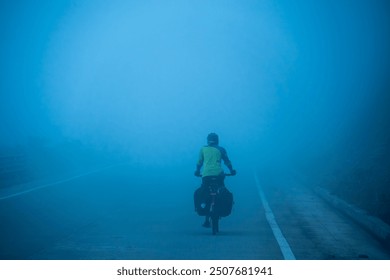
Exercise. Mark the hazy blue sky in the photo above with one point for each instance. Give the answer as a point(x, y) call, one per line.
point(154, 77)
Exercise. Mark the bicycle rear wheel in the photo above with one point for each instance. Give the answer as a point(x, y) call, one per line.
point(214, 224)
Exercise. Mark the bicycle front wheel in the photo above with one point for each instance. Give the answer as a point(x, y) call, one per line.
point(214, 224)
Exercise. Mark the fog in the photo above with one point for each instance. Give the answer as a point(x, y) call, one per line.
point(283, 83)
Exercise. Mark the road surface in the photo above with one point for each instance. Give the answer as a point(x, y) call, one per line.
point(128, 212)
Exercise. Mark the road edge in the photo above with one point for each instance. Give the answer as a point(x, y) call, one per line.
point(374, 225)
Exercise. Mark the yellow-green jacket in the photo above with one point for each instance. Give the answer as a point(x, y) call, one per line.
point(210, 158)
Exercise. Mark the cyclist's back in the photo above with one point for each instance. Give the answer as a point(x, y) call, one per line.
point(210, 158)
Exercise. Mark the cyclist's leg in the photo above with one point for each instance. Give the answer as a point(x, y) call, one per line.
point(221, 180)
point(205, 188)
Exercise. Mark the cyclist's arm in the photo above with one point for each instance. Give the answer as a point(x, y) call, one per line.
point(226, 160)
point(200, 161)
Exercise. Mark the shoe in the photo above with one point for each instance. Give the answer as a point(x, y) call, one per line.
point(206, 224)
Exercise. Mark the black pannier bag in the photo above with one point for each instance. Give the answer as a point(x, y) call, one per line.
point(224, 202)
point(200, 201)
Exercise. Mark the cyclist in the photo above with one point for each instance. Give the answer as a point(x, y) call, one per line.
point(210, 158)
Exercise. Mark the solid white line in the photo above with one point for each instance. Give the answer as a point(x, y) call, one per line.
point(52, 184)
point(283, 244)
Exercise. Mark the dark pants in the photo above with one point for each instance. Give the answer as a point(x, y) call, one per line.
point(209, 180)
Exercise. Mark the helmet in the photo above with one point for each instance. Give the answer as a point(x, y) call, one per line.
point(212, 138)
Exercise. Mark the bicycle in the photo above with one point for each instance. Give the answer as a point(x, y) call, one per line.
point(218, 203)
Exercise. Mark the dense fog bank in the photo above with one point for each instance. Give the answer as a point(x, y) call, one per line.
point(292, 86)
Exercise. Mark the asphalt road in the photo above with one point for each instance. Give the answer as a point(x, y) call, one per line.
point(127, 212)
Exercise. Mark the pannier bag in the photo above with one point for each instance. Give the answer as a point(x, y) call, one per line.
point(224, 202)
point(200, 201)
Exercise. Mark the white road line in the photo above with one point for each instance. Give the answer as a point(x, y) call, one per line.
point(283, 244)
point(53, 184)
